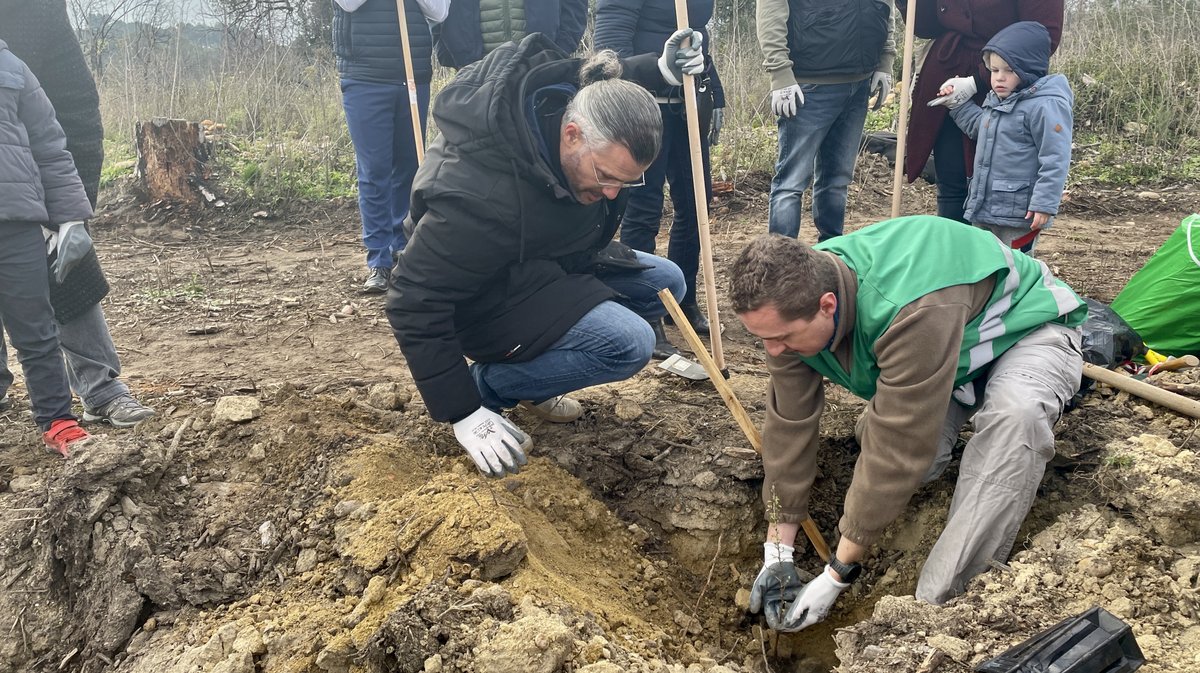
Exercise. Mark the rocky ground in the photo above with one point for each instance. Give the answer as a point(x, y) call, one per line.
point(293, 508)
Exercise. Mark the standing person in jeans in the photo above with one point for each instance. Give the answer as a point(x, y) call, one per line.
point(375, 96)
point(632, 27)
point(958, 30)
point(40, 34)
point(38, 187)
point(510, 259)
point(825, 60)
point(473, 28)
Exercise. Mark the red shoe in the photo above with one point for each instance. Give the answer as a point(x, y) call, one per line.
point(64, 433)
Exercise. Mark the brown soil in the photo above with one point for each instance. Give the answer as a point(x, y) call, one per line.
point(339, 529)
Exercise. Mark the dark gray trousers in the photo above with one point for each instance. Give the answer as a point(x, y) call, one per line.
point(29, 320)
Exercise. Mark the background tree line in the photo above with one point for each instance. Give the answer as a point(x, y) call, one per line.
point(264, 69)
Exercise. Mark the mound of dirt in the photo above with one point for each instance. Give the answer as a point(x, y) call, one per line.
point(293, 508)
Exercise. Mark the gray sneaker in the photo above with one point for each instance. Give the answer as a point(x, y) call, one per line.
point(5, 403)
point(122, 412)
point(377, 282)
point(561, 409)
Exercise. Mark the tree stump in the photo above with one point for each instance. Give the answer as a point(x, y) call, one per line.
point(172, 161)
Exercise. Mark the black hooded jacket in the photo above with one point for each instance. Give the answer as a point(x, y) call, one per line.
point(500, 257)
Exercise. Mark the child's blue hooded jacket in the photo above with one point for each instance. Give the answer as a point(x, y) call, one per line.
point(1024, 141)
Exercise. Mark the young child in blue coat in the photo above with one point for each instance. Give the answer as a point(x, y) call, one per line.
point(39, 187)
point(1023, 135)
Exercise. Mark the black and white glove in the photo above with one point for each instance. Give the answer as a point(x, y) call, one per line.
point(954, 92)
point(813, 603)
point(718, 122)
point(677, 61)
point(786, 101)
point(776, 584)
point(71, 245)
point(495, 444)
point(881, 86)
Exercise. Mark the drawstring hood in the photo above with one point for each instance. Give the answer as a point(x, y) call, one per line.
point(1025, 47)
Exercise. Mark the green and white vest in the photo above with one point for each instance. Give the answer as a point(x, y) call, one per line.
point(901, 260)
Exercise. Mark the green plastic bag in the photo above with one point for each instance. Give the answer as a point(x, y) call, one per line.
point(1162, 300)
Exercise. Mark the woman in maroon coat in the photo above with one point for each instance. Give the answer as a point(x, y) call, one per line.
point(959, 30)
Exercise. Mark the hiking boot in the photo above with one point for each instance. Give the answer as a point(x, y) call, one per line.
point(561, 409)
point(377, 281)
point(695, 316)
point(121, 412)
point(663, 349)
point(64, 435)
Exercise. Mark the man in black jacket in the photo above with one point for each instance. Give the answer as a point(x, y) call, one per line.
point(510, 259)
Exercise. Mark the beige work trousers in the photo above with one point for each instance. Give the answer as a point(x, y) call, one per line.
point(1003, 463)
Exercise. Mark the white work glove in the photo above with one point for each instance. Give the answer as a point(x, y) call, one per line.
point(777, 583)
point(72, 245)
point(785, 101)
point(813, 603)
point(954, 92)
point(718, 121)
point(677, 61)
point(881, 85)
point(492, 441)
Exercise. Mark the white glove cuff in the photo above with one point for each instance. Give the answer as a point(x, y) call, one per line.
point(777, 552)
point(668, 76)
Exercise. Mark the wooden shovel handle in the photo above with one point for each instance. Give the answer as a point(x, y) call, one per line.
point(735, 407)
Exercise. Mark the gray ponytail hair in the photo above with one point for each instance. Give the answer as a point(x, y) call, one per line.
point(612, 110)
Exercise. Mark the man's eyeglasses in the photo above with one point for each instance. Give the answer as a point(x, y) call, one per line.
point(608, 183)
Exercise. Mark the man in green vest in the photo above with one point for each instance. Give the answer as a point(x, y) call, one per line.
point(932, 324)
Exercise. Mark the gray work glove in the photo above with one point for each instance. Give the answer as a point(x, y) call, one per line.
point(786, 101)
point(493, 442)
point(718, 121)
point(954, 92)
point(72, 246)
point(881, 85)
point(777, 583)
point(677, 61)
point(813, 603)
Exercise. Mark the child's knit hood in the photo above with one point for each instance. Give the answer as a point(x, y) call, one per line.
point(1025, 46)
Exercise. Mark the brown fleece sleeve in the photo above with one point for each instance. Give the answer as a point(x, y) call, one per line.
point(918, 359)
point(795, 400)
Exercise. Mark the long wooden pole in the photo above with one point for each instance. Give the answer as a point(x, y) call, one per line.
point(701, 194)
point(1170, 400)
point(414, 106)
point(735, 407)
point(906, 71)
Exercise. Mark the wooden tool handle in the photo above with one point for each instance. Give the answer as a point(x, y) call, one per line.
point(735, 407)
point(1143, 390)
point(700, 194)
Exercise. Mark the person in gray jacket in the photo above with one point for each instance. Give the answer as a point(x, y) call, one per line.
point(1023, 135)
point(39, 187)
point(40, 34)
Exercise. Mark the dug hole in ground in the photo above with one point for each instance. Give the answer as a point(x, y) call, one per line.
point(293, 508)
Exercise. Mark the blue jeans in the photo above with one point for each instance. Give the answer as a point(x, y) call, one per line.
point(29, 321)
point(643, 211)
point(822, 140)
point(380, 120)
point(92, 362)
point(610, 343)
